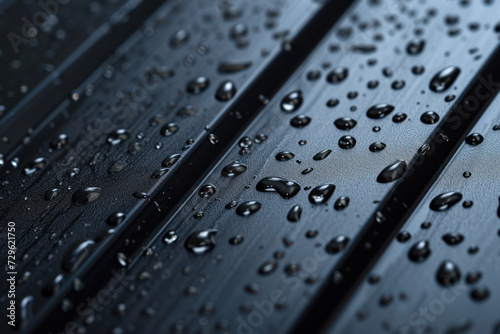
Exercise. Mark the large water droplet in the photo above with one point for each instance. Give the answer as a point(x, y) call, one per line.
point(321, 194)
point(345, 123)
point(322, 155)
point(300, 121)
point(392, 172)
point(284, 187)
point(445, 201)
point(444, 79)
point(201, 242)
point(235, 168)
point(379, 111)
point(248, 208)
point(448, 273)
point(347, 142)
point(292, 101)
point(225, 91)
point(419, 251)
point(284, 156)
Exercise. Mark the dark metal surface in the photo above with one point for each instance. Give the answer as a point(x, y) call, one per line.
point(265, 273)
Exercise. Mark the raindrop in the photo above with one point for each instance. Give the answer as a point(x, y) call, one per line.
point(337, 75)
point(207, 190)
point(235, 168)
point(474, 139)
point(415, 46)
point(453, 238)
point(294, 213)
point(284, 156)
point(448, 273)
point(233, 66)
point(392, 172)
point(419, 251)
point(429, 117)
point(444, 79)
point(321, 194)
point(169, 129)
point(337, 244)
point(322, 155)
point(300, 121)
point(341, 203)
point(198, 85)
point(115, 219)
point(248, 208)
point(226, 91)
point(284, 187)
point(83, 196)
point(171, 160)
point(445, 201)
point(118, 136)
point(345, 123)
point(201, 242)
point(377, 146)
point(292, 101)
point(379, 111)
point(347, 142)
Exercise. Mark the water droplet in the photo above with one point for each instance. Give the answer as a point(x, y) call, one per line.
point(225, 91)
point(337, 75)
point(474, 139)
point(77, 254)
point(59, 142)
point(415, 46)
point(51, 194)
point(180, 37)
point(321, 194)
point(294, 213)
point(292, 101)
point(115, 219)
point(235, 168)
point(300, 121)
point(118, 136)
point(448, 273)
point(322, 155)
point(169, 129)
point(392, 172)
point(377, 146)
point(444, 79)
point(198, 85)
point(341, 203)
point(233, 66)
point(284, 187)
point(248, 208)
point(337, 244)
point(284, 156)
point(170, 160)
point(453, 238)
point(83, 196)
point(201, 242)
point(159, 173)
point(347, 142)
point(480, 293)
point(419, 251)
point(268, 267)
point(345, 123)
point(379, 111)
point(445, 201)
point(206, 190)
point(399, 117)
point(35, 165)
point(186, 111)
point(170, 237)
point(429, 117)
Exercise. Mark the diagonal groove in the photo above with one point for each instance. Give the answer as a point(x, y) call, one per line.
point(403, 199)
